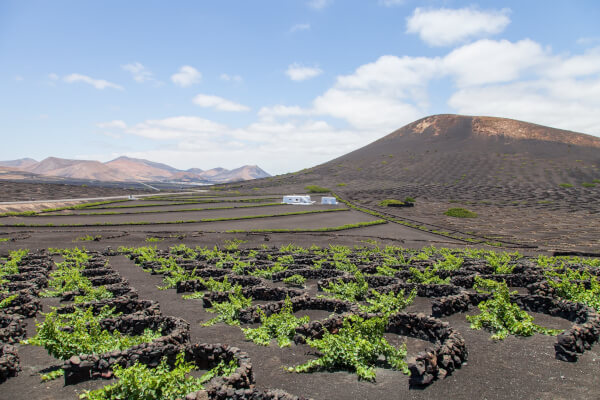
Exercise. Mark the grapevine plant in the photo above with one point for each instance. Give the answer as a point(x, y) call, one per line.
point(356, 347)
point(281, 326)
point(229, 310)
point(578, 286)
point(164, 382)
point(66, 335)
point(500, 316)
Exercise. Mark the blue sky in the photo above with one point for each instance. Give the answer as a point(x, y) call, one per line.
point(282, 84)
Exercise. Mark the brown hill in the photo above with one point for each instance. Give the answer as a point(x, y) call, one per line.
point(527, 183)
point(454, 150)
point(125, 169)
point(77, 169)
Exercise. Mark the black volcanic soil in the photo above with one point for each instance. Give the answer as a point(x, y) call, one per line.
point(529, 184)
point(522, 368)
point(24, 191)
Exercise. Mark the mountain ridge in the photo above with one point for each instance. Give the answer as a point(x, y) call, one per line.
point(128, 169)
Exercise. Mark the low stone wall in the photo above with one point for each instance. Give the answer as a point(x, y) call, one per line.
point(12, 328)
point(252, 315)
point(308, 273)
point(9, 362)
point(512, 280)
point(580, 337)
point(175, 332)
point(197, 286)
point(124, 305)
point(447, 353)
point(25, 304)
point(263, 293)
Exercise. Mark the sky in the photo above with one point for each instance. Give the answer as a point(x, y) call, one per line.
point(283, 84)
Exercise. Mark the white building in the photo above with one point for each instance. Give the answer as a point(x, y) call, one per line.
point(303, 200)
point(328, 200)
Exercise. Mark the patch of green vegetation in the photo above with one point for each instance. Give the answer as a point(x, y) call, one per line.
point(578, 286)
point(316, 189)
point(50, 376)
point(341, 184)
point(588, 184)
point(85, 335)
point(5, 240)
point(460, 213)
point(390, 202)
point(153, 239)
point(229, 310)
point(565, 185)
point(295, 280)
point(280, 326)
point(356, 347)
point(164, 382)
point(88, 238)
point(354, 290)
point(500, 316)
point(388, 303)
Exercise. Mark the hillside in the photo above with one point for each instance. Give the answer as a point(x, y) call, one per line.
point(527, 182)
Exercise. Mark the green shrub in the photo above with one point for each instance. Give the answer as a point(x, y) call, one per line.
point(86, 335)
point(295, 280)
point(565, 185)
point(388, 303)
point(341, 184)
point(460, 213)
point(502, 317)
point(390, 202)
point(588, 184)
point(141, 382)
point(281, 326)
point(316, 189)
point(356, 347)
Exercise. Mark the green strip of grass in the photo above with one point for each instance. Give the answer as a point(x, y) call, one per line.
point(325, 229)
point(183, 203)
point(168, 211)
point(174, 222)
point(47, 210)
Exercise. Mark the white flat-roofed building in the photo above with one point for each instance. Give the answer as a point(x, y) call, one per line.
point(303, 200)
point(328, 200)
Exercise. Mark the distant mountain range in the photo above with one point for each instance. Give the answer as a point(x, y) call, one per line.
point(126, 169)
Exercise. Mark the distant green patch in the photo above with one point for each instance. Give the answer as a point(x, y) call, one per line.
point(565, 185)
point(154, 239)
point(316, 189)
point(588, 184)
point(394, 202)
point(4, 239)
point(460, 213)
point(88, 238)
point(341, 184)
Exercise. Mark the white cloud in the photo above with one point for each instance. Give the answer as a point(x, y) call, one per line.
point(186, 76)
point(490, 61)
point(382, 95)
point(118, 124)
point(319, 4)
point(297, 72)
point(391, 3)
point(231, 78)
point(443, 27)
point(97, 83)
point(282, 111)
point(139, 73)
point(300, 27)
point(221, 104)
point(182, 127)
